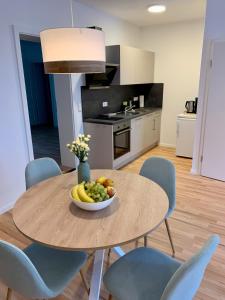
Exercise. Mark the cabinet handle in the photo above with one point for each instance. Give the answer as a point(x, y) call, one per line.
point(123, 131)
point(154, 125)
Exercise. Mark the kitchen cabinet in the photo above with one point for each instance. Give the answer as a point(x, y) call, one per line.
point(145, 132)
point(136, 66)
point(144, 135)
point(148, 131)
point(156, 127)
point(137, 137)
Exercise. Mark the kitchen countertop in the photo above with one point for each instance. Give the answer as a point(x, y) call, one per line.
point(129, 116)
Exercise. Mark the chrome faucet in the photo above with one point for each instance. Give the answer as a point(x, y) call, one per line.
point(128, 108)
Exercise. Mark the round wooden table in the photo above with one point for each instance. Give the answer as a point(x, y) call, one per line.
point(46, 214)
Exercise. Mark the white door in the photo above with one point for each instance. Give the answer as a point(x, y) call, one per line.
point(213, 160)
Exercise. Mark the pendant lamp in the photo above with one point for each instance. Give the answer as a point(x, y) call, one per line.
point(73, 50)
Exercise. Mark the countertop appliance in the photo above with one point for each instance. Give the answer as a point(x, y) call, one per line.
point(185, 134)
point(191, 106)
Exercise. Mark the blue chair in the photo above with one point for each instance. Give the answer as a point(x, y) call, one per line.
point(35, 172)
point(40, 169)
point(38, 272)
point(148, 274)
point(162, 171)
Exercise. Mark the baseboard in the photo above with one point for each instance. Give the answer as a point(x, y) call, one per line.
point(6, 207)
point(167, 145)
point(194, 171)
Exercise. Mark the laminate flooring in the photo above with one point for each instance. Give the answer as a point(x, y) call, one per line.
point(200, 211)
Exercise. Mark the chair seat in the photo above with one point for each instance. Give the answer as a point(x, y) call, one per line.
point(142, 274)
point(56, 267)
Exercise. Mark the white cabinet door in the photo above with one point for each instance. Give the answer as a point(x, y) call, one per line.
point(185, 137)
point(213, 163)
point(127, 65)
point(148, 130)
point(145, 72)
point(156, 128)
point(136, 66)
point(137, 136)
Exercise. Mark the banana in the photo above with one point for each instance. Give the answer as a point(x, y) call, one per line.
point(83, 195)
point(74, 193)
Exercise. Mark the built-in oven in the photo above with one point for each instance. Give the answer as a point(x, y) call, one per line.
point(121, 138)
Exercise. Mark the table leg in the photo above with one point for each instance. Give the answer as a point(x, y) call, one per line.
point(96, 278)
point(119, 251)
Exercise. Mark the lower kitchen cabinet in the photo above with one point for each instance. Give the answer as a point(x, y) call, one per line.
point(156, 127)
point(137, 138)
point(145, 132)
point(148, 132)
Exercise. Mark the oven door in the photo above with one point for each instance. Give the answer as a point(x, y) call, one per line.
point(121, 142)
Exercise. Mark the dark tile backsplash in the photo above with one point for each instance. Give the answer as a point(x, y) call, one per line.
point(92, 98)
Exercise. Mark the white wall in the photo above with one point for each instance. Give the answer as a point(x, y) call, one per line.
point(37, 15)
point(13, 151)
point(116, 32)
point(214, 30)
point(177, 50)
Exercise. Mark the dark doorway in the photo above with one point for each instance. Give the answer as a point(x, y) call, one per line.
point(41, 101)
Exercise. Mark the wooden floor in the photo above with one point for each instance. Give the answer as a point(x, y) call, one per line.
point(200, 212)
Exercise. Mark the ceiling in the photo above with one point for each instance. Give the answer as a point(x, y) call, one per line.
point(135, 11)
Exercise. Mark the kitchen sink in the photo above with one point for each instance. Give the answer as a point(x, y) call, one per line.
point(129, 113)
point(132, 113)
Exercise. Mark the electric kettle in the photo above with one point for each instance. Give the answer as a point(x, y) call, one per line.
point(190, 106)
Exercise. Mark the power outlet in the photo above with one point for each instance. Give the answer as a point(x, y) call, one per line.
point(104, 104)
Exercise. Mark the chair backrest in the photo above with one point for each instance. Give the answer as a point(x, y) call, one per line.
point(187, 279)
point(162, 171)
point(18, 273)
point(40, 169)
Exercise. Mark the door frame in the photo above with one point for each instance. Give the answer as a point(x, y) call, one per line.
point(202, 106)
point(17, 32)
point(209, 74)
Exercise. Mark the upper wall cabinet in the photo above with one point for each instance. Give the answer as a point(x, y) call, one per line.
point(136, 66)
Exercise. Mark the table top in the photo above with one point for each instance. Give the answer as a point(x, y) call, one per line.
point(46, 214)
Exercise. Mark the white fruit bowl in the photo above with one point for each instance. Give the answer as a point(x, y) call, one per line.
point(92, 206)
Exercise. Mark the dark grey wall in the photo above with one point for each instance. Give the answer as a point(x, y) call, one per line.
point(115, 95)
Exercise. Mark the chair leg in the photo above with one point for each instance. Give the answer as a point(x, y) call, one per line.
point(170, 237)
point(146, 241)
point(85, 282)
point(9, 294)
point(110, 297)
point(108, 257)
point(109, 252)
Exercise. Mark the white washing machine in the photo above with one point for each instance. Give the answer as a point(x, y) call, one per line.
point(185, 134)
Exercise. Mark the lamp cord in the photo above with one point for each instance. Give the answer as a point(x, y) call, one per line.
point(71, 11)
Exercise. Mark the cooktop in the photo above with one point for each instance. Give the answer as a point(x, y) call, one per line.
point(111, 118)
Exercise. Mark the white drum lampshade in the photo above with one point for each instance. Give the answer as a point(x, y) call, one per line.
point(73, 50)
